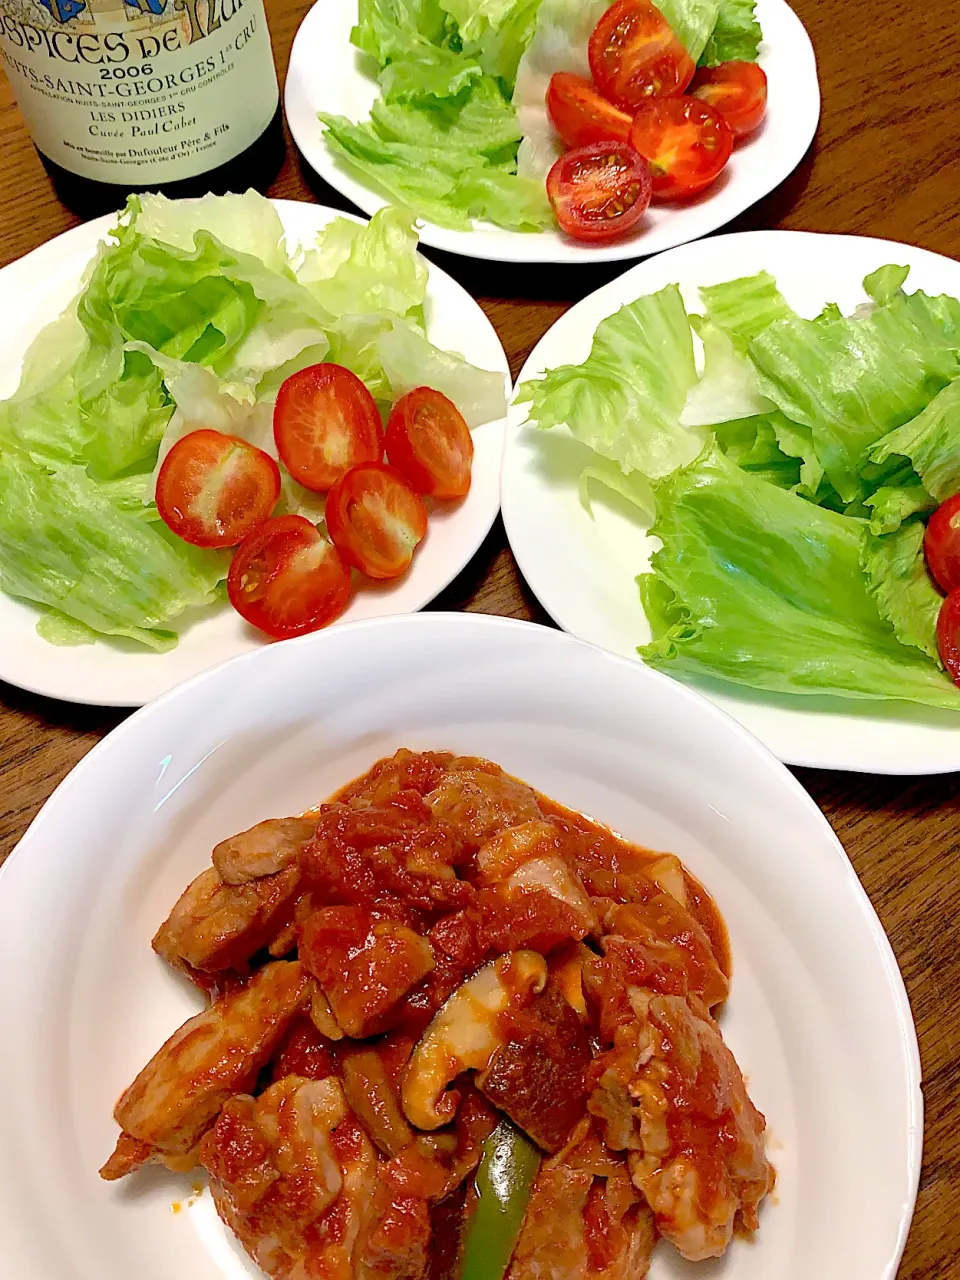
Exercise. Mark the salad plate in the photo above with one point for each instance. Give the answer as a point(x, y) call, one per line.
point(327, 74)
point(818, 1016)
point(583, 567)
point(33, 291)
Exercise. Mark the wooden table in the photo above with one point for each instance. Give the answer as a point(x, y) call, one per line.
point(886, 162)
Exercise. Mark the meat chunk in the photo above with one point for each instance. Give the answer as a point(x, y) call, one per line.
point(480, 800)
point(585, 1220)
point(216, 926)
point(362, 854)
point(419, 771)
point(293, 1177)
point(179, 1093)
point(263, 850)
point(538, 1075)
point(670, 1092)
point(372, 1098)
point(365, 964)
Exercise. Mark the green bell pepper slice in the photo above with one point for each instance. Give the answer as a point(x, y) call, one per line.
point(504, 1180)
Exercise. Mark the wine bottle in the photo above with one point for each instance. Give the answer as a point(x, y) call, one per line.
point(177, 96)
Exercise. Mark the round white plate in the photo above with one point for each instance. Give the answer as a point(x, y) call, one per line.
point(818, 1017)
point(326, 74)
point(33, 291)
point(584, 570)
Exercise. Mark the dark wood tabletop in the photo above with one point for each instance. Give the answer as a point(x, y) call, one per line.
point(886, 162)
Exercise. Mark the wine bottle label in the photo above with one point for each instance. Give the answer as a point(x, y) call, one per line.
point(138, 92)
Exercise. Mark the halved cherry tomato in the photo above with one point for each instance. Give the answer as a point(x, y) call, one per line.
point(212, 489)
point(738, 90)
point(287, 579)
point(948, 635)
point(941, 544)
point(325, 421)
point(376, 520)
point(599, 192)
point(634, 55)
point(581, 115)
point(430, 444)
point(686, 143)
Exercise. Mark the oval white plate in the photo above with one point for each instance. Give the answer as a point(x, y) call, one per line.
point(818, 1017)
point(583, 571)
point(326, 74)
point(33, 291)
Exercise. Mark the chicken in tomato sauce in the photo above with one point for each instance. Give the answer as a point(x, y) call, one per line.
point(452, 1029)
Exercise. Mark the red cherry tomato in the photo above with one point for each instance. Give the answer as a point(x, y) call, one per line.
point(941, 544)
point(580, 115)
point(376, 520)
point(738, 90)
point(634, 55)
point(325, 421)
point(686, 143)
point(287, 579)
point(599, 192)
point(212, 489)
point(948, 635)
point(429, 443)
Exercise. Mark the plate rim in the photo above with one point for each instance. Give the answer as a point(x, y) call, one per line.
point(300, 117)
point(98, 228)
point(63, 799)
point(517, 418)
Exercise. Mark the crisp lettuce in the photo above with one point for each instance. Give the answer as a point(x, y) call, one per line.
point(743, 308)
point(897, 574)
point(757, 586)
point(931, 441)
point(728, 388)
point(626, 398)
point(65, 545)
point(443, 137)
point(736, 36)
point(851, 381)
point(693, 22)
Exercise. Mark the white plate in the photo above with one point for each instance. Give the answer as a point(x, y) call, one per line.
point(326, 74)
point(818, 1017)
point(583, 571)
point(33, 291)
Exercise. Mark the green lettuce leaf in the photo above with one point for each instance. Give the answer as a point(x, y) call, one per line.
point(450, 164)
point(359, 268)
point(931, 441)
point(757, 586)
point(897, 574)
point(852, 381)
point(752, 444)
point(692, 21)
point(64, 544)
point(625, 399)
point(743, 308)
point(736, 36)
point(728, 388)
point(891, 505)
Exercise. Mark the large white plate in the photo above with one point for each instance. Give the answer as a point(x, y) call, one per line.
point(33, 291)
point(583, 571)
point(818, 1017)
point(326, 74)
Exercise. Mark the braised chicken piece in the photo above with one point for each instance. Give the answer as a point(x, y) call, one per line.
point(496, 1046)
point(241, 904)
point(179, 1093)
point(585, 1220)
point(670, 1093)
